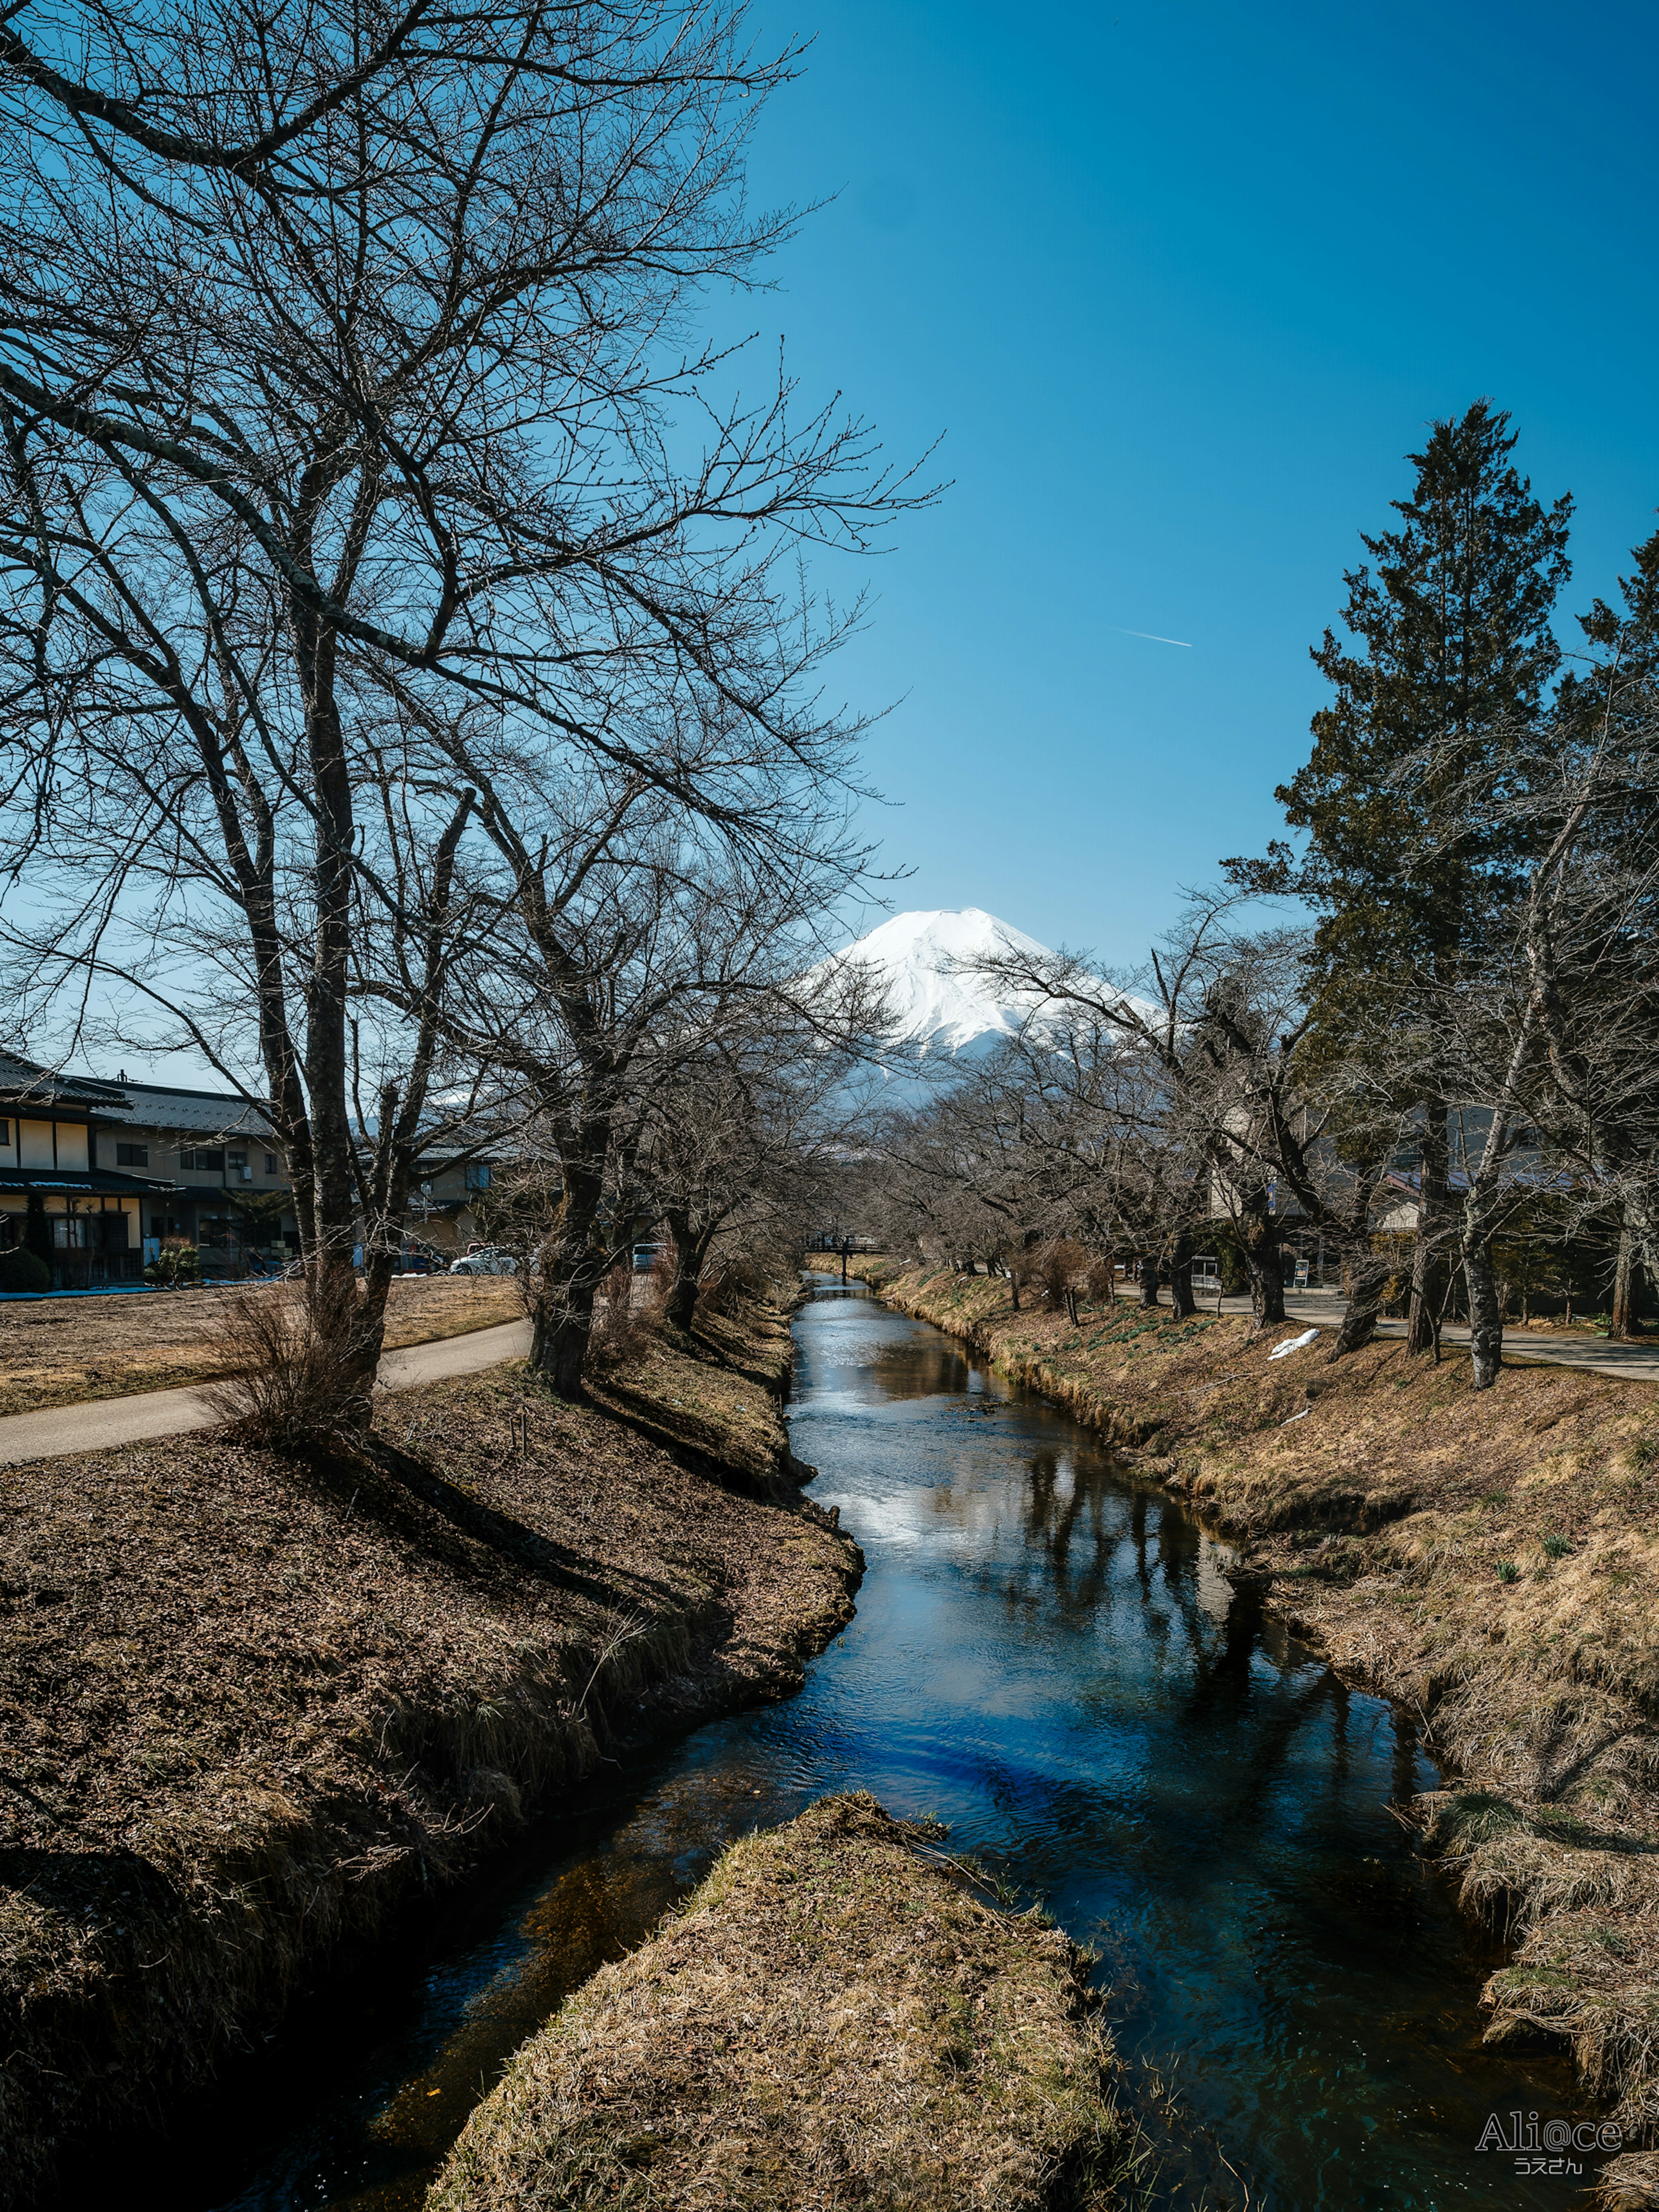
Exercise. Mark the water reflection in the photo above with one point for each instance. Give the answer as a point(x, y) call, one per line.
point(1051, 1657)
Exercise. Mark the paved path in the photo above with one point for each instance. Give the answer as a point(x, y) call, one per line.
point(1638, 1362)
point(101, 1422)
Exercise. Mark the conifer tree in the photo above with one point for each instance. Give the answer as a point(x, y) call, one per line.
point(1448, 650)
point(1612, 702)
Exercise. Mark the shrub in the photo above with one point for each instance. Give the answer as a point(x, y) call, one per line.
point(176, 1262)
point(1556, 1547)
point(1508, 1571)
point(23, 1270)
point(296, 1361)
point(1056, 1267)
point(620, 1328)
point(1099, 1285)
point(723, 1289)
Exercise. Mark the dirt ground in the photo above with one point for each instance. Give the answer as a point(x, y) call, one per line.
point(249, 1707)
point(1489, 1558)
point(831, 2021)
point(60, 1352)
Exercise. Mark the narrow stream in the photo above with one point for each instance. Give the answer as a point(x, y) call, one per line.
point(1049, 1656)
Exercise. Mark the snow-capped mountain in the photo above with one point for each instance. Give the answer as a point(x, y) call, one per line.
point(940, 1009)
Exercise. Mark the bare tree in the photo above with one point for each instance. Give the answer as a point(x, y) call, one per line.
point(351, 446)
point(1185, 1015)
point(744, 1133)
point(636, 949)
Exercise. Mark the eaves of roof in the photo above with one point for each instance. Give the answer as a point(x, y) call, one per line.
point(97, 1183)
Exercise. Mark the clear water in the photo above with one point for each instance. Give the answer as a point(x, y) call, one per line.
point(1049, 1656)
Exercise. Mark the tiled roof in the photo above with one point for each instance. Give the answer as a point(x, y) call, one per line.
point(203, 1112)
point(24, 1082)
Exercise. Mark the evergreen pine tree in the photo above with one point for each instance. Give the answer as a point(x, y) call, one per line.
point(1614, 699)
point(1451, 650)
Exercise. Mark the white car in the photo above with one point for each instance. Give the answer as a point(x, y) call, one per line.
point(490, 1261)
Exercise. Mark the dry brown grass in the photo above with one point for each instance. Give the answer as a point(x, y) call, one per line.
point(717, 1392)
point(830, 2021)
point(1490, 1559)
point(251, 1706)
point(61, 1351)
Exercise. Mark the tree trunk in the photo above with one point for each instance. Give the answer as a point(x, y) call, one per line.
point(1181, 1275)
point(1148, 1280)
point(1624, 1321)
point(1422, 1333)
point(573, 1268)
point(1259, 1238)
point(1485, 1317)
point(689, 1252)
point(1368, 1275)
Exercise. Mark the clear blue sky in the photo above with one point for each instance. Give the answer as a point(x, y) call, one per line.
point(1181, 285)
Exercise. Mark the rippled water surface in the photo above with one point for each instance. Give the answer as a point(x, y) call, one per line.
point(1050, 1658)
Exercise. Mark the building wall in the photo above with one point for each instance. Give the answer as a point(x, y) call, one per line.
point(50, 1145)
point(215, 1171)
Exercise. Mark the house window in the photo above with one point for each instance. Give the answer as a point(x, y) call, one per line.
point(5, 1136)
point(213, 1162)
point(68, 1233)
point(133, 1156)
point(477, 1175)
point(271, 1162)
point(237, 1163)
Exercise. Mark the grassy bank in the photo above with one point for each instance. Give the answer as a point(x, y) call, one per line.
point(831, 2021)
point(252, 1710)
point(1489, 1558)
point(61, 1351)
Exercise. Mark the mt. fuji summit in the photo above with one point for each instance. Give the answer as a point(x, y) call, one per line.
point(940, 1011)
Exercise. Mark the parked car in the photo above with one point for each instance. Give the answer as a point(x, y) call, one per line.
point(488, 1260)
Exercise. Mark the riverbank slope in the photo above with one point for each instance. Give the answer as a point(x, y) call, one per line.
point(1490, 1559)
point(254, 1710)
point(830, 2020)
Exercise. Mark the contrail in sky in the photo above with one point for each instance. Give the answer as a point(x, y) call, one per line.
point(1152, 635)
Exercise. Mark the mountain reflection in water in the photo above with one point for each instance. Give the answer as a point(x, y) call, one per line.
point(1049, 1657)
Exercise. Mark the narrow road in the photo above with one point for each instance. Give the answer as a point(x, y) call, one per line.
point(1633, 1363)
point(102, 1423)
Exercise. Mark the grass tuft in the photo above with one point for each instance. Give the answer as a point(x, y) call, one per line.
point(830, 2021)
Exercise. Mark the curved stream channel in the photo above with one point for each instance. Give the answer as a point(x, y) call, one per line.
point(1049, 1656)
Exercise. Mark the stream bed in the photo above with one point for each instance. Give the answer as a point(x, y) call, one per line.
point(1048, 1656)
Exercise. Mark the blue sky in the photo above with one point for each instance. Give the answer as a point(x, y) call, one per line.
point(1180, 286)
